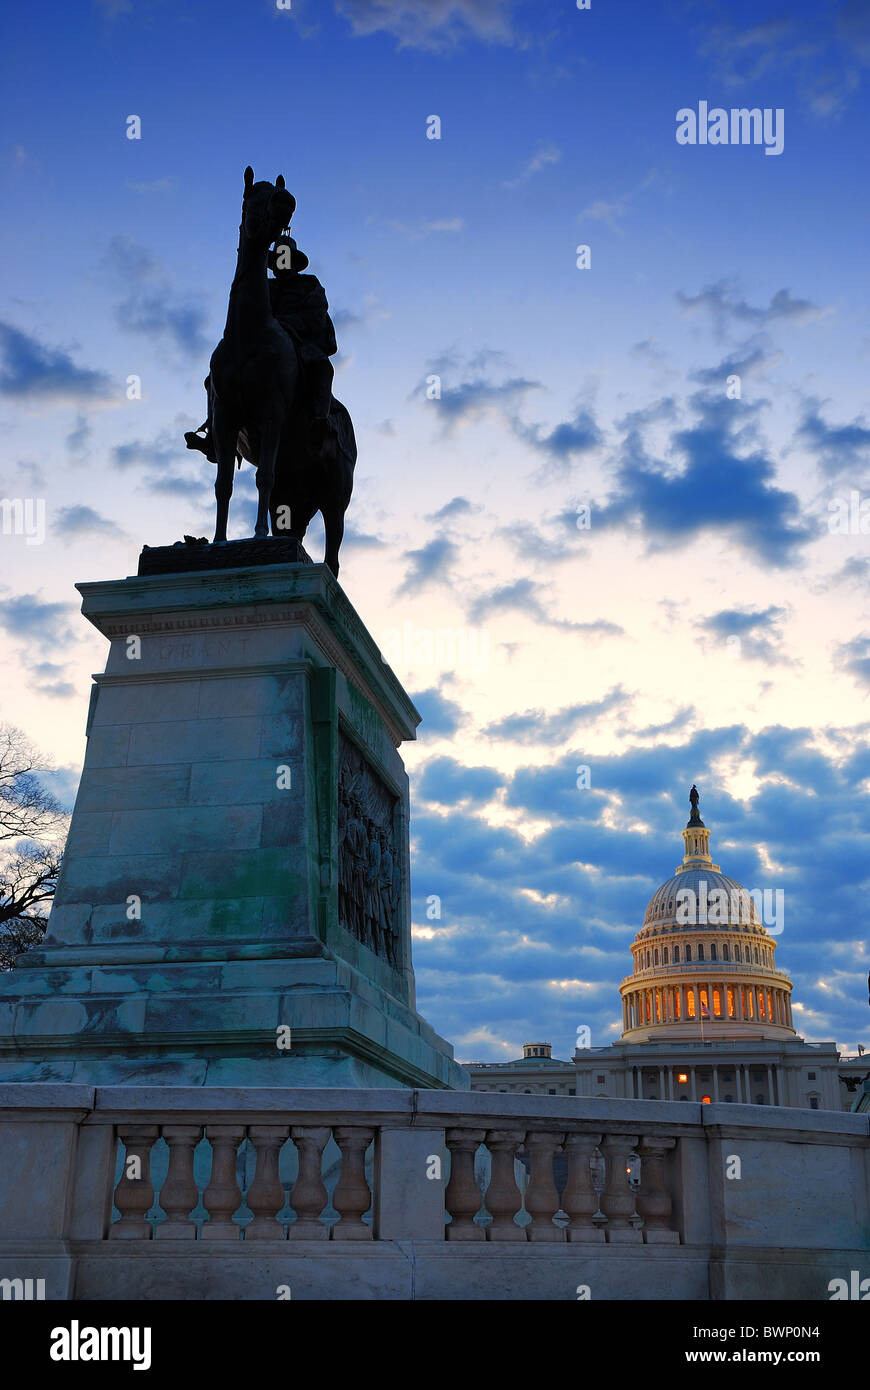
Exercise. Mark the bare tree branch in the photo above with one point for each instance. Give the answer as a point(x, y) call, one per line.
point(32, 825)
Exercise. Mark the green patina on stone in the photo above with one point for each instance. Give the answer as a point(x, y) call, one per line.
point(234, 927)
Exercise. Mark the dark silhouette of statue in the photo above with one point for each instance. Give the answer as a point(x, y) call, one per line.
point(694, 798)
point(299, 304)
point(253, 370)
point(270, 385)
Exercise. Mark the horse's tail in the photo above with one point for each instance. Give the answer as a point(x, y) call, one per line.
point(342, 424)
point(247, 447)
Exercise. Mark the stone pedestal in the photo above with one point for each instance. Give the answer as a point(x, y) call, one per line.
point(234, 904)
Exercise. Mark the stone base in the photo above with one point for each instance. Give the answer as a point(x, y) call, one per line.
point(182, 558)
point(238, 860)
point(427, 1270)
point(624, 1236)
point(216, 1023)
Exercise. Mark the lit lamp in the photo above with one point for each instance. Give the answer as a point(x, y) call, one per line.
point(682, 1076)
point(632, 1172)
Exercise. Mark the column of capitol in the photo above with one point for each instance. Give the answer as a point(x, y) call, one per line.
point(703, 961)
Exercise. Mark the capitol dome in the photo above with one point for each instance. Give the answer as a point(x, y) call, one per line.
point(663, 905)
point(703, 959)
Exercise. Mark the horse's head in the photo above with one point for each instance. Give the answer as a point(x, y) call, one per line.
point(266, 208)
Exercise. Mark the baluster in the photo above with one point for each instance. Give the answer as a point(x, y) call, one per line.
point(309, 1195)
point(579, 1200)
point(352, 1197)
point(178, 1196)
point(503, 1199)
point(654, 1202)
point(462, 1195)
point(222, 1196)
point(618, 1198)
point(134, 1196)
point(266, 1195)
point(542, 1195)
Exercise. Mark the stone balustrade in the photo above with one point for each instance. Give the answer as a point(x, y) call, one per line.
point(182, 1192)
point(625, 1196)
point(206, 1204)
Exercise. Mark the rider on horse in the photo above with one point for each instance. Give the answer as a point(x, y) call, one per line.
point(299, 304)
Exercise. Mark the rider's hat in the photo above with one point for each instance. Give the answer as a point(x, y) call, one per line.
point(298, 259)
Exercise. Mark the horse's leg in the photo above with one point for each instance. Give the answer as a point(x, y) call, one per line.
point(299, 519)
point(225, 434)
point(291, 511)
point(333, 522)
point(288, 516)
point(291, 508)
point(270, 438)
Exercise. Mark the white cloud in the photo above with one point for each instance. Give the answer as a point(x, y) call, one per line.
point(430, 23)
point(546, 155)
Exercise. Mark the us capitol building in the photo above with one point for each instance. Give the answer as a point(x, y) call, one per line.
point(706, 1013)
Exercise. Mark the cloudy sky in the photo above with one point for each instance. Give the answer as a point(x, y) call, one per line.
point(619, 493)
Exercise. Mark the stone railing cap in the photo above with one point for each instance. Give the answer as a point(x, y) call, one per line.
point(46, 1095)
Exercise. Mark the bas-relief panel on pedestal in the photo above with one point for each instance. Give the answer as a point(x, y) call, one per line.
point(369, 859)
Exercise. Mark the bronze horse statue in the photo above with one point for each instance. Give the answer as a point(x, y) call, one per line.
point(257, 407)
point(254, 369)
point(310, 478)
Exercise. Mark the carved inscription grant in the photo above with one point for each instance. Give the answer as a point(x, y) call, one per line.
point(369, 868)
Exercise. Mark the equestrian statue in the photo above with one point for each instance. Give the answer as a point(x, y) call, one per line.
point(269, 386)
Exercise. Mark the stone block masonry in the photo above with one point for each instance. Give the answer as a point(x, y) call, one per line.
point(238, 858)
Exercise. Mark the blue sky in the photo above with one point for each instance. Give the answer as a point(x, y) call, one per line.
point(707, 625)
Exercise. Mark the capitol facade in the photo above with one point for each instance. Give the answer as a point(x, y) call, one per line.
point(706, 1011)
